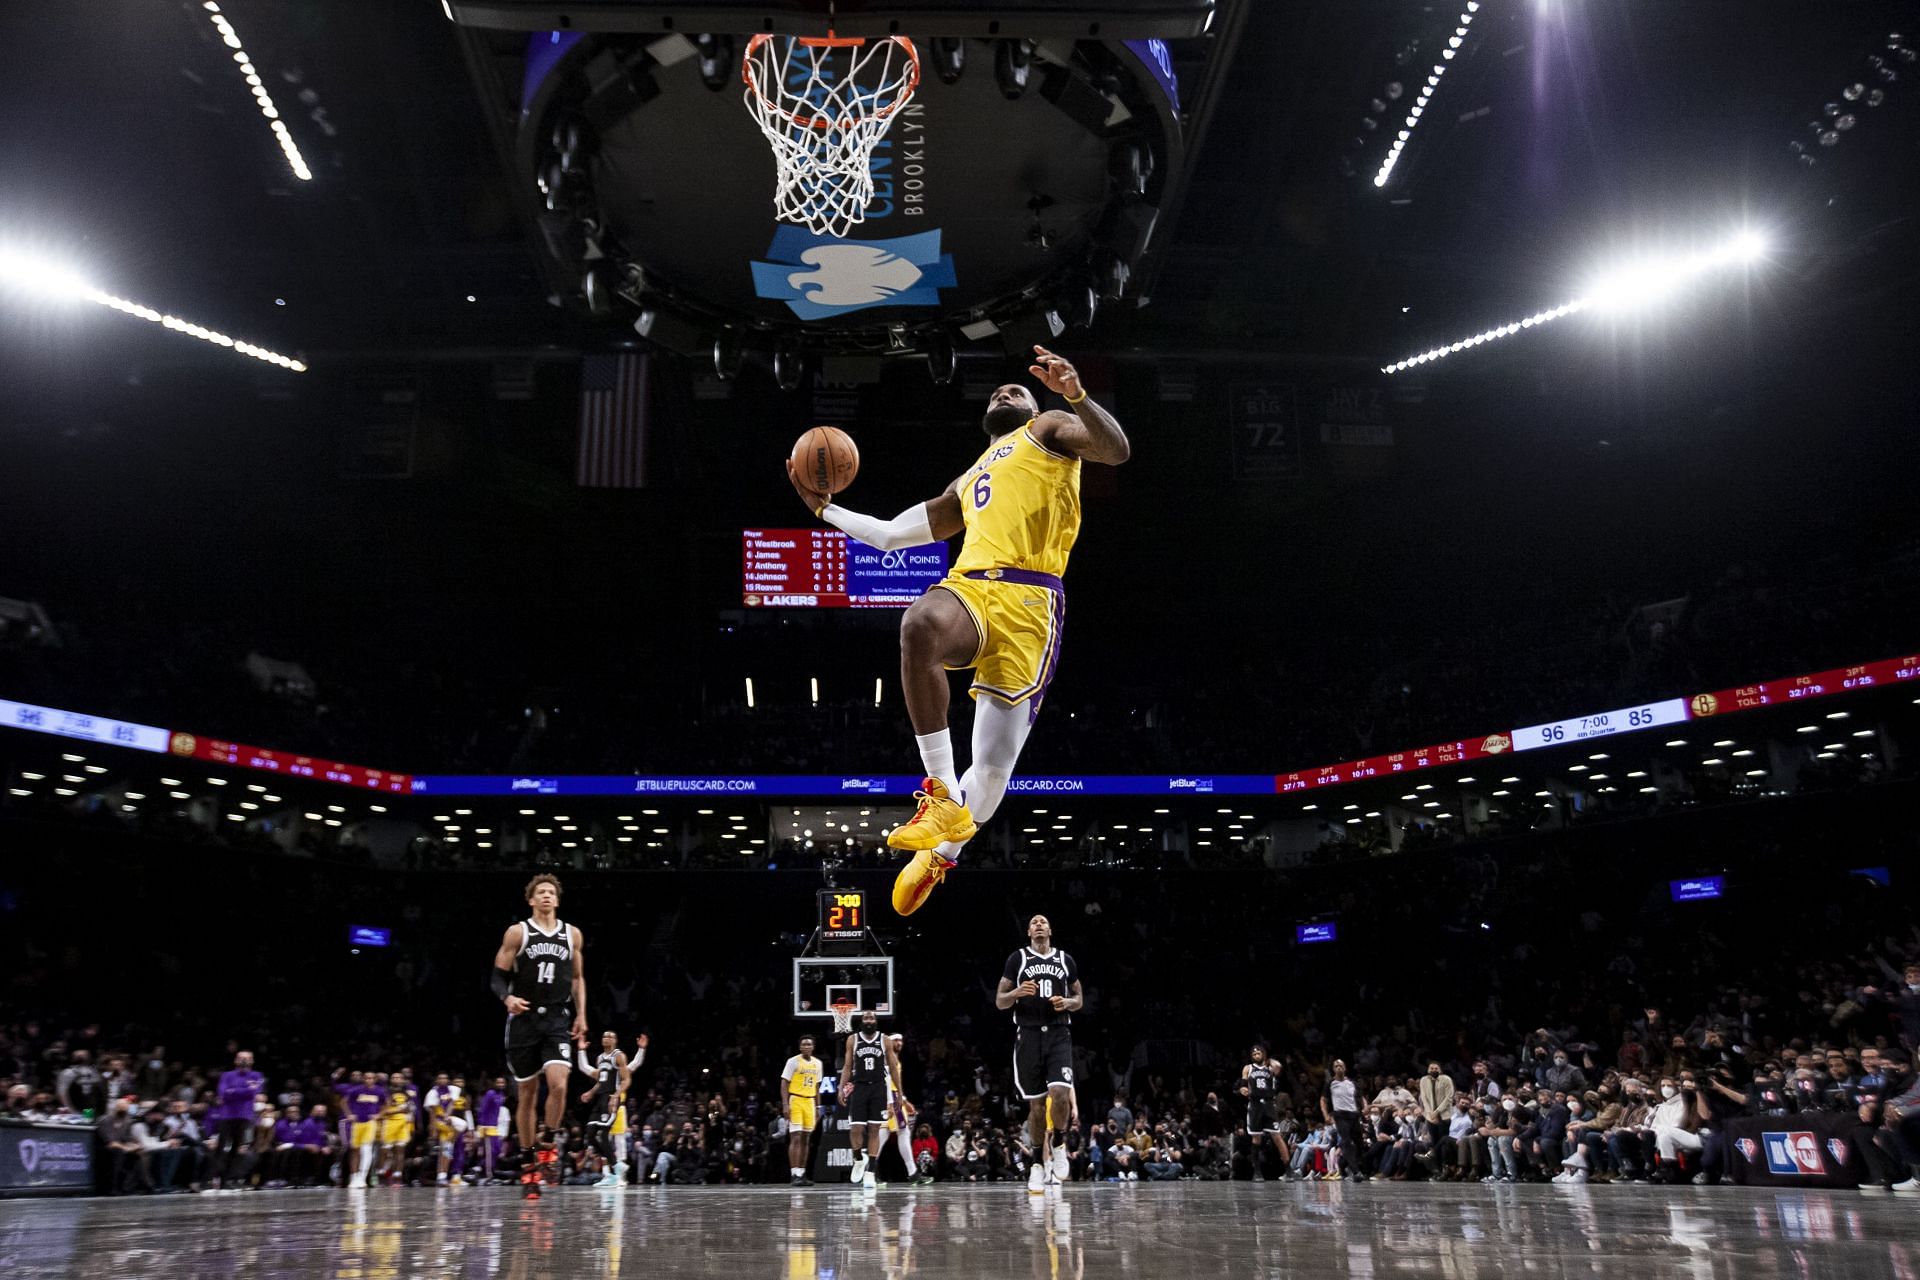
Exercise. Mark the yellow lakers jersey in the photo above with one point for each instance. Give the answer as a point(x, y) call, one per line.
point(399, 1104)
point(1021, 504)
point(805, 1080)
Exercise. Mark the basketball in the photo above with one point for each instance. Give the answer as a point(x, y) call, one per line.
point(826, 459)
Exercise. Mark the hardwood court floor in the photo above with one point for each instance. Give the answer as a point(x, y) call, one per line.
point(944, 1232)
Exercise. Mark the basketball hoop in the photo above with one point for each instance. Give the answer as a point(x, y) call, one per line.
point(824, 105)
point(844, 1012)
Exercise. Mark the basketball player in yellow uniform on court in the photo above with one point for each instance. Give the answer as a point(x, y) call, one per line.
point(999, 612)
point(799, 1103)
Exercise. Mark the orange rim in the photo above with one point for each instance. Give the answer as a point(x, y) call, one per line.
point(829, 42)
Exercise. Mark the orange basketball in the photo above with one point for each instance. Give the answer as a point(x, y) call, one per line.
point(826, 459)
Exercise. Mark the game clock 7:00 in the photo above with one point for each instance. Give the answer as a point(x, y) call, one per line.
point(843, 912)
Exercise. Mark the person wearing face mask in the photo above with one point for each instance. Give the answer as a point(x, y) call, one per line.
point(1675, 1124)
point(1502, 1125)
point(1630, 1139)
point(1564, 1077)
point(1436, 1102)
point(1462, 1151)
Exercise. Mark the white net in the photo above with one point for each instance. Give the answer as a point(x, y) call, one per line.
point(844, 1013)
point(824, 105)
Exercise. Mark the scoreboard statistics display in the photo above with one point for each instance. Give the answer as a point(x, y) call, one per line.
point(826, 569)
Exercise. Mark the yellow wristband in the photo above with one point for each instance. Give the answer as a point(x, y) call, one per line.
point(1071, 400)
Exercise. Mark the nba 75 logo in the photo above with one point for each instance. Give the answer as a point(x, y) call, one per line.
point(1747, 1148)
point(1793, 1153)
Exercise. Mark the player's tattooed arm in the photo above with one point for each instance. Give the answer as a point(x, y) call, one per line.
point(1089, 431)
point(503, 962)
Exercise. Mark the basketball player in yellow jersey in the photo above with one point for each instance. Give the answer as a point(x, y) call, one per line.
point(1001, 610)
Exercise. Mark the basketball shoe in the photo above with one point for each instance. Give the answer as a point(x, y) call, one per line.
point(917, 880)
point(940, 817)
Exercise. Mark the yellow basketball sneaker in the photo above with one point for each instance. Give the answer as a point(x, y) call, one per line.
point(939, 817)
point(917, 880)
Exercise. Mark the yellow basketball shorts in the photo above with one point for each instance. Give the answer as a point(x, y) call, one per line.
point(800, 1113)
point(1021, 617)
point(365, 1132)
point(619, 1119)
point(396, 1133)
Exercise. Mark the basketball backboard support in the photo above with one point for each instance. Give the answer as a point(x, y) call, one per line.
point(819, 980)
point(1037, 19)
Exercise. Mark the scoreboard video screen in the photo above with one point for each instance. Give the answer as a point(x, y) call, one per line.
point(826, 569)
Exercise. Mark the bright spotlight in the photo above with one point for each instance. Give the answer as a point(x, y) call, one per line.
point(1748, 246)
point(40, 276)
point(1633, 286)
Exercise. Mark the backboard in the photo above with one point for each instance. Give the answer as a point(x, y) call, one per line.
point(819, 980)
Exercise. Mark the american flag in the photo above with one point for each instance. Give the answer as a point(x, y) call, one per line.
point(613, 421)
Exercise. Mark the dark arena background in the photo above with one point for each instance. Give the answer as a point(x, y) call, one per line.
point(1486, 734)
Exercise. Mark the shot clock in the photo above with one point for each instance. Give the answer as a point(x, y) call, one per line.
point(843, 920)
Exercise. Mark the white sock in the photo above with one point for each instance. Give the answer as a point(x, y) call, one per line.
point(797, 1171)
point(936, 757)
point(949, 850)
point(859, 1167)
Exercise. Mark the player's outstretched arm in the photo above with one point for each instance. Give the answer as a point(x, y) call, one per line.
point(933, 521)
point(1089, 431)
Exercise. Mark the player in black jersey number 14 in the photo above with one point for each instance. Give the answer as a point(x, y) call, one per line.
point(537, 974)
point(1041, 986)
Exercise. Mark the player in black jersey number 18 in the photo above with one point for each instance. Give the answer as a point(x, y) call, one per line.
point(537, 974)
point(1041, 985)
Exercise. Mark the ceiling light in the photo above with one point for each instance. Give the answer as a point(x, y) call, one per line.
point(1308, 808)
point(1836, 715)
point(262, 99)
point(1512, 779)
point(1464, 781)
point(1714, 761)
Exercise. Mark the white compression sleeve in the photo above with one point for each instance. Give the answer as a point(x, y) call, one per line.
point(910, 528)
point(999, 731)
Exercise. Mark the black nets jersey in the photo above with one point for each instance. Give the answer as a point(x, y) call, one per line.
point(1053, 973)
point(543, 971)
point(869, 1059)
point(1260, 1083)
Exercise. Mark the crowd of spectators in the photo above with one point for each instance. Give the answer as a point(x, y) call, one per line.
point(1643, 1095)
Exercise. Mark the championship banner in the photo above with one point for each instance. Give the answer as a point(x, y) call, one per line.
point(1807, 1150)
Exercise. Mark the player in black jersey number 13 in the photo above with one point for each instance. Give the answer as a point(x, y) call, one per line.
point(537, 974)
point(1041, 985)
